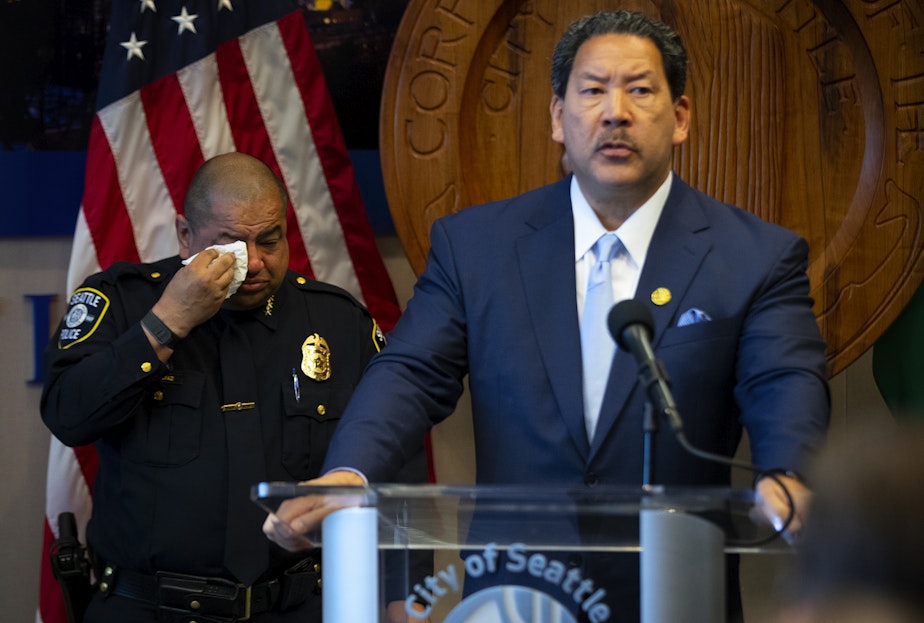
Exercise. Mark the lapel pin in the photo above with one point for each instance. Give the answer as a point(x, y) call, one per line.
point(661, 296)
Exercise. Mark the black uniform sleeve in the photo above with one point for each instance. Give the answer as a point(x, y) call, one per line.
point(98, 364)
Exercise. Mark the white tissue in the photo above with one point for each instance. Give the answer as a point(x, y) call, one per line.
point(239, 249)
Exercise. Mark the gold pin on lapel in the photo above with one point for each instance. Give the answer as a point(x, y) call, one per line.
point(661, 296)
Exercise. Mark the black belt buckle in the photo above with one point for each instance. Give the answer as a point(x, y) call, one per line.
point(216, 598)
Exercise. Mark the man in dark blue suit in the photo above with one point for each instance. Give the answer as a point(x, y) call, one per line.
point(502, 297)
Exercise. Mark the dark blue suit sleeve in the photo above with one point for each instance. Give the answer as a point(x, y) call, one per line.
point(414, 382)
point(781, 371)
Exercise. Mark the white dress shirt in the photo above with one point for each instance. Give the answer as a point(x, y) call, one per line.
point(635, 234)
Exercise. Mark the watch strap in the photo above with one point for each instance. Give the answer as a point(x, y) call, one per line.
point(161, 332)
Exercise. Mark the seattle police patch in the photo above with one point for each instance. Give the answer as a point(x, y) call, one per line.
point(86, 309)
point(378, 337)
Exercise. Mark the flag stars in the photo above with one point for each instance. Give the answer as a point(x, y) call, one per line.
point(225, 4)
point(185, 21)
point(134, 47)
point(148, 4)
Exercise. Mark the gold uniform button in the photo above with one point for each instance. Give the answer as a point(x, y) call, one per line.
point(155, 275)
point(194, 605)
point(158, 395)
point(146, 366)
point(322, 409)
point(103, 587)
point(107, 572)
point(301, 280)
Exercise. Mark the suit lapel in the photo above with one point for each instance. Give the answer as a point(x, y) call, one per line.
point(675, 254)
point(546, 264)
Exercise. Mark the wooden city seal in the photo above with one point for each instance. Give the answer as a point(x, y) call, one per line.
point(809, 113)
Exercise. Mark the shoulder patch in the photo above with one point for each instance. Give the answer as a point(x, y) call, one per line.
point(378, 337)
point(84, 313)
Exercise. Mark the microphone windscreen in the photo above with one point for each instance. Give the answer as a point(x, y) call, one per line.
point(627, 313)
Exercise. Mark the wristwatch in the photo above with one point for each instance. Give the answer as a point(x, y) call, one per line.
point(161, 332)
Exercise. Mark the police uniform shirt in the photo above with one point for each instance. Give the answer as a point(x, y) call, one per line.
point(160, 494)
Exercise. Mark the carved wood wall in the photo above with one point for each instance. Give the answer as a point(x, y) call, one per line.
point(809, 113)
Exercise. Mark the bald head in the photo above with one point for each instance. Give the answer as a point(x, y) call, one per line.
point(233, 177)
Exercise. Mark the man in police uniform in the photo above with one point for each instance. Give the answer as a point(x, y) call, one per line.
point(192, 394)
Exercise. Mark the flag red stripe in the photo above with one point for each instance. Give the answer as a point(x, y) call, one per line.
point(103, 205)
point(370, 270)
point(88, 460)
point(240, 100)
point(250, 134)
point(172, 135)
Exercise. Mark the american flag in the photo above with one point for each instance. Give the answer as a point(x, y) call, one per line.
point(183, 81)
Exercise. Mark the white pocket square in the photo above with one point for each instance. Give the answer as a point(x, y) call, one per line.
point(692, 316)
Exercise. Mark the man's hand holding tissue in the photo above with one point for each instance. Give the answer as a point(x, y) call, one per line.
point(194, 295)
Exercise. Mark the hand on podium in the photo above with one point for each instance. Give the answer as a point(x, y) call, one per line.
point(296, 518)
point(777, 506)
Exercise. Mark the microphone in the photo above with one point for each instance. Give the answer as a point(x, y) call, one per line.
point(631, 325)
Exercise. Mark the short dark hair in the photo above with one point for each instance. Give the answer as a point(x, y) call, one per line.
point(673, 54)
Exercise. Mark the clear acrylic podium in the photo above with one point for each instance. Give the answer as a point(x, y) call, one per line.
point(680, 534)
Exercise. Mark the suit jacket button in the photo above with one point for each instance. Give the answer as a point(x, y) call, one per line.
point(591, 479)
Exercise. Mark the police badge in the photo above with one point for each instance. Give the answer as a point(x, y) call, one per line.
point(316, 358)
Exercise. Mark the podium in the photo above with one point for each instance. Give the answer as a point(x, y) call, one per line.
point(507, 553)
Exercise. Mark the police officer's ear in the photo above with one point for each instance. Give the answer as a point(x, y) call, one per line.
point(183, 236)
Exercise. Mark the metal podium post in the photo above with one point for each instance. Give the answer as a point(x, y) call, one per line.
point(350, 588)
point(682, 568)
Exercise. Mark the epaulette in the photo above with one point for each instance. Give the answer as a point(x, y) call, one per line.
point(154, 272)
point(307, 284)
point(160, 271)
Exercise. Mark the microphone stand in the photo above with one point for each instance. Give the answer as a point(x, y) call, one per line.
point(650, 427)
point(658, 402)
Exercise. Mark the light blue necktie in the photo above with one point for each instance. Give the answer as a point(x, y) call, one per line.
point(597, 346)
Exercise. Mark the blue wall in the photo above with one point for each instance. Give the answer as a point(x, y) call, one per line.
point(41, 192)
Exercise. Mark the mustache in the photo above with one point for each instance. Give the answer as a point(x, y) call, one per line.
point(617, 137)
